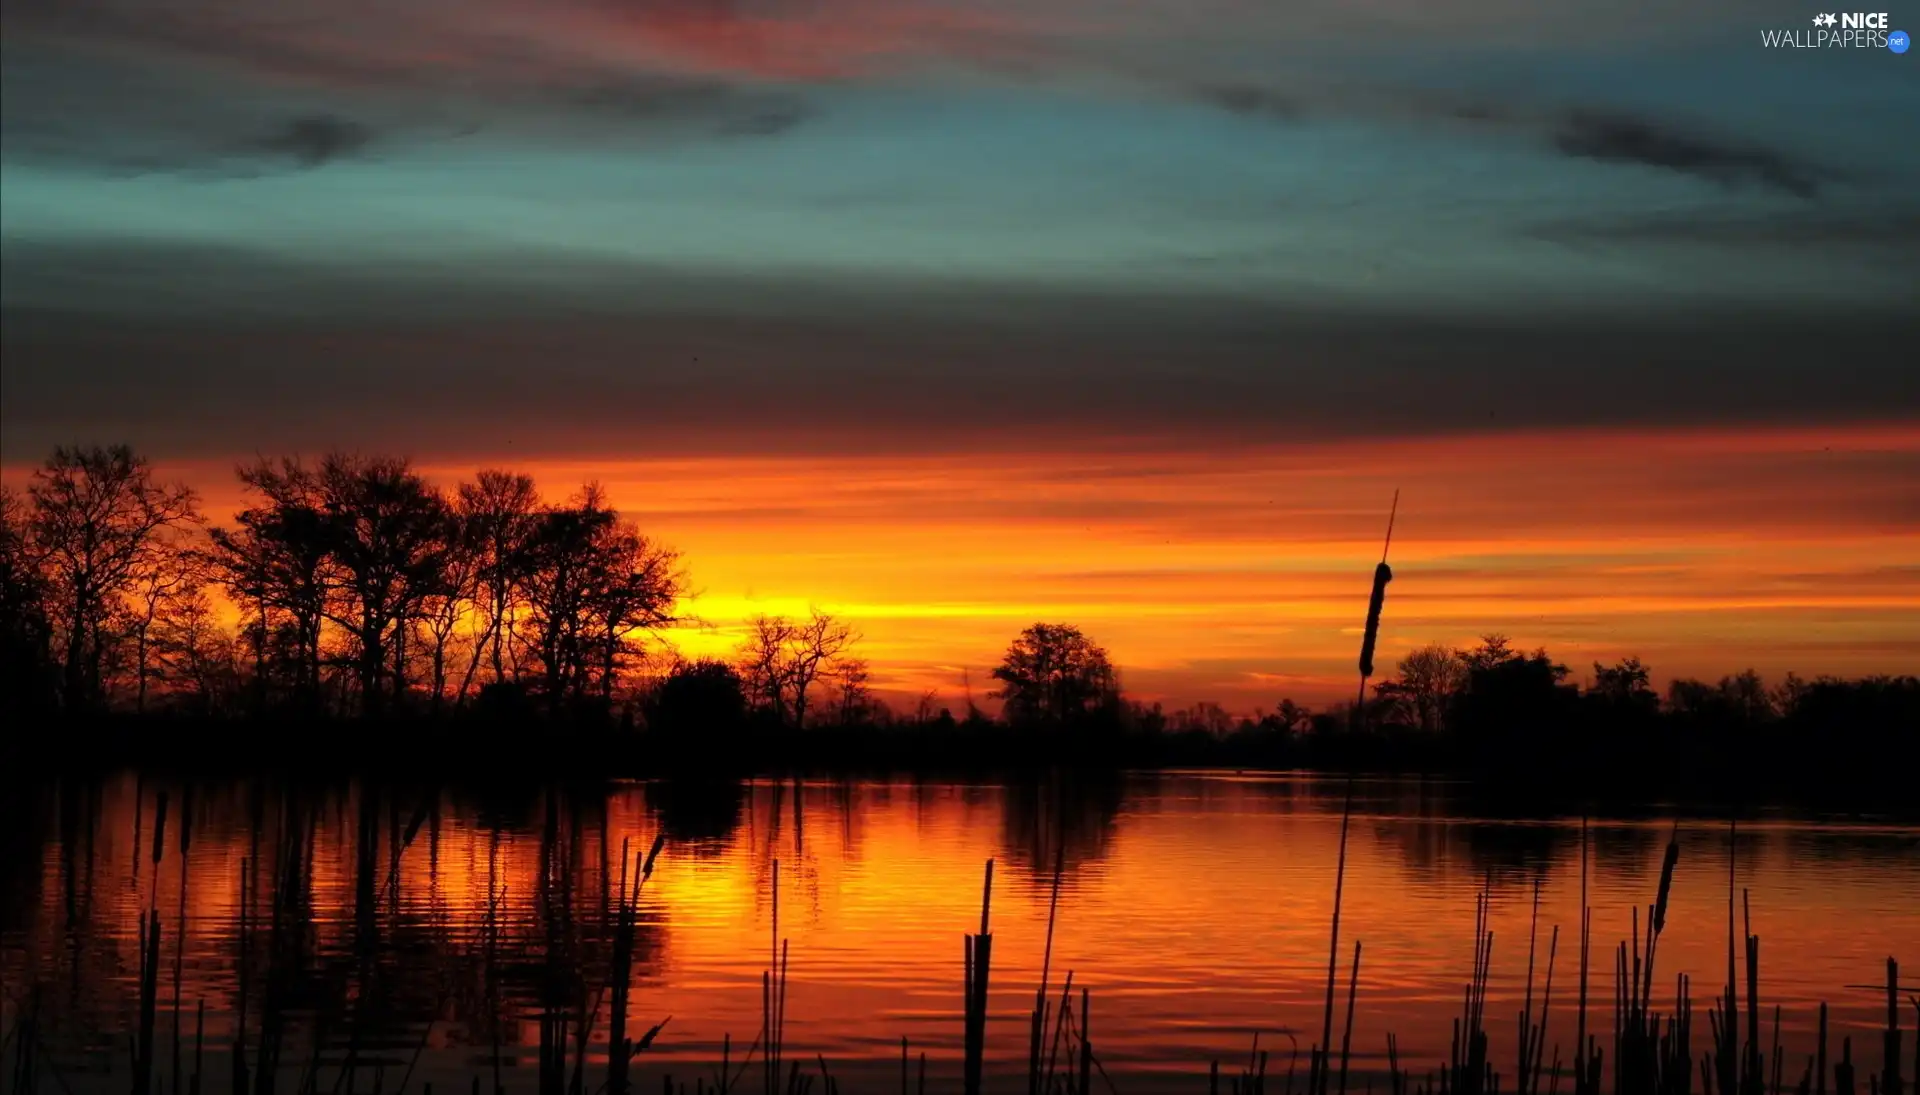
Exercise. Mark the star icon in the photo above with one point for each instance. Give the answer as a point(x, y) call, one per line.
point(1830, 20)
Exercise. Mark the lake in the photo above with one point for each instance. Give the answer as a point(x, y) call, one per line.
point(417, 930)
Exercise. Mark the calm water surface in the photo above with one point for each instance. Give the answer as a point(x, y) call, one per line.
point(1194, 906)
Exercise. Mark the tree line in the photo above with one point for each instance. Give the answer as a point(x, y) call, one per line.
point(354, 587)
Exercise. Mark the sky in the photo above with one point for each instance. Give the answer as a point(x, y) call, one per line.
point(954, 316)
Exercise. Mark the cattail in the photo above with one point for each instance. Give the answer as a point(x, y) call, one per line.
point(653, 853)
point(1666, 884)
point(1382, 574)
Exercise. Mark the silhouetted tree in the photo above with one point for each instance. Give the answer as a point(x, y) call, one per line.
point(1053, 675)
point(500, 514)
point(161, 582)
point(1748, 697)
point(199, 658)
point(1207, 718)
point(1292, 717)
point(636, 588)
point(27, 677)
point(591, 582)
point(384, 526)
point(1429, 679)
point(98, 517)
point(818, 643)
point(782, 658)
point(853, 701)
point(450, 597)
point(763, 664)
point(705, 697)
point(1513, 703)
point(1622, 694)
point(277, 563)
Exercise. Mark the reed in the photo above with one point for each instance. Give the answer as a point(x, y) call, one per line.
point(979, 966)
point(1533, 1032)
point(620, 1049)
point(1038, 1027)
point(1653, 1052)
point(1587, 1055)
point(1319, 1062)
point(773, 997)
point(1651, 1058)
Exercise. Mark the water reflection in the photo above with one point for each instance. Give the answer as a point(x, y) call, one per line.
point(374, 927)
point(1063, 818)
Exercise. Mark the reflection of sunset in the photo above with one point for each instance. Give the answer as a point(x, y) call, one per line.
point(1240, 576)
point(1195, 909)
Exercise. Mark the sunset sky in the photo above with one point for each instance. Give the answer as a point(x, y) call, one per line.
point(952, 316)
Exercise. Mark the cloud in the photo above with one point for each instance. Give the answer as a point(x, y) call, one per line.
point(731, 108)
point(767, 123)
point(1890, 230)
point(313, 140)
point(1251, 100)
point(769, 363)
point(1618, 138)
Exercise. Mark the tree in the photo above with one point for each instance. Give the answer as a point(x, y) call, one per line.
point(1748, 698)
point(1624, 691)
point(1512, 702)
point(590, 582)
point(449, 600)
point(98, 515)
point(852, 698)
point(1054, 676)
point(500, 513)
point(161, 582)
point(27, 677)
point(783, 658)
point(763, 664)
point(384, 527)
point(818, 643)
point(636, 586)
point(1293, 717)
point(1429, 679)
point(1494, 651)
point(705, 696)
point(197, 655)
point(1206, 717)
point(278, 564)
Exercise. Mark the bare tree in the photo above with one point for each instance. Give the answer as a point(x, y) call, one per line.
point(636, 586)
point(197, 654)
point(97, 516)
point(384, 523)
point(500, 512)
point(277, 563)
point(448, 600)
point(818, 643)
point(782, 659)
point(851, 694)
point(764, 663)
point(27, 680)
point(168, 573)
point(1429, 678)
point(591, 583)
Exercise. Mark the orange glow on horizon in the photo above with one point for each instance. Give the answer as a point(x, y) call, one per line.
point(1241, 576)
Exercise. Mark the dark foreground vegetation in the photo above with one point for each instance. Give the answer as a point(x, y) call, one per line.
point(354, 614)
point(304, 1024)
